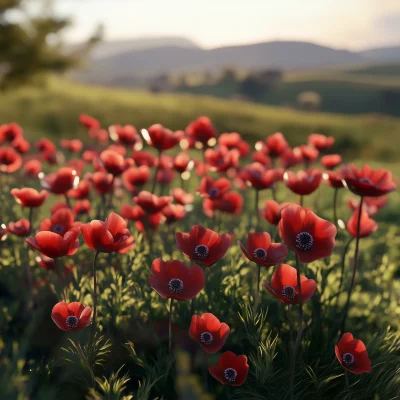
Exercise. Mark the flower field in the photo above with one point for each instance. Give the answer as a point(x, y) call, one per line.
point(195, 264)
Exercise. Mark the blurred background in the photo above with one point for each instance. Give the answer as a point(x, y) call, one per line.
point(138, 61)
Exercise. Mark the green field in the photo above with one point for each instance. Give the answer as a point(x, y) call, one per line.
point(53, 111)
point(350, 91)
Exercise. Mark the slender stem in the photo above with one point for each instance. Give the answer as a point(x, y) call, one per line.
point(292, 372)
point(335, 195)
point(153, 186)
point(110, 199)
point(291, 342)
point(301, 200)
point(346, 308)
point(60, 278)
point(256, 208)
point(94, 296)
point(257, 291)
point(30, 219)
point(346, 380)
point(67, 201)
point(170, 329)
point(346, 248)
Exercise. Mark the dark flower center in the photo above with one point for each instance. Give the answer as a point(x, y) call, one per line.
point(365, 180)
point(304, 241)
point(175, 285)
point(72, 322)
point(230, 374)
point(213, 192)
point(58, 228)
point(348, 359)
point(201, 251)
point(260, 253)
point(206, 338)
point(289, 292)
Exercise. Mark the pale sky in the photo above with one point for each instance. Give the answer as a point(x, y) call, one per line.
point(351, 24)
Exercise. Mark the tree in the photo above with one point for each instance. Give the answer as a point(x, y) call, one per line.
point(31, 45)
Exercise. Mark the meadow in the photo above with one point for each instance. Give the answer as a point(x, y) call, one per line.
point(139, 345)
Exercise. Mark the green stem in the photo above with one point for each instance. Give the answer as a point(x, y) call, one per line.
point(30, 219)
point(335, 196)
point(93, 331)
point(347, 306)
point(153, 186)
point(67, 201)
point(301, 200)
point(292, 372)
point(256, 208)
point(60, 278)
point(170, 330)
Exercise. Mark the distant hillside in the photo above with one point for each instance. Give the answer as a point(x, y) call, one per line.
point(165, 59)
point(382, 55)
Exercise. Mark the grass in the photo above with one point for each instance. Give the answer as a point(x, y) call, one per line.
point(53, 111)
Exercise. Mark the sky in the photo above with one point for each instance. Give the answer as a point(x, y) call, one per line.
point(350, 24)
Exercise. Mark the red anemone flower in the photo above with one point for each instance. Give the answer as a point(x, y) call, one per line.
point(284, 285)
point(370, 204)
point(175, 280)
point(165, 176)
point(126, 135)
point(334, 179)
point(74, 145)
point(182, 162)
point(222, 159)
point(102, 182)
point(272, 211)
point(367, 225)
point(149, 221)
point(71, 317)
point(21, 145)
point(303, 182)
point(28, 197)
point(181, 197)
point(10, 132)
point(305, 233)
point(331, 161)
point(276, 144)
point(291, 157)
point(201, 130)
point(173, 213)
point(231, 369)
point(19, 228)
point(32, 168)
point(113, 162)
point(260, 249)
point(108, 236)
point(135, 176)
point(61, 181)
point(208, 332)
point(81, 191)
point(60, 222)
point(232, 141)
point(213, 189)
point(53, 245)
point(82, 207)
point(308, 153)
point(161, 138)
point(10, 160)
point(262, 158)
point(143, 158)
point(321, 142)
point(230, 203)
point(45, 145)
point(258, 177)
point(89, 122)
point(203, 245)
point(352, 354)
point(367, 181)
point(151, 203)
